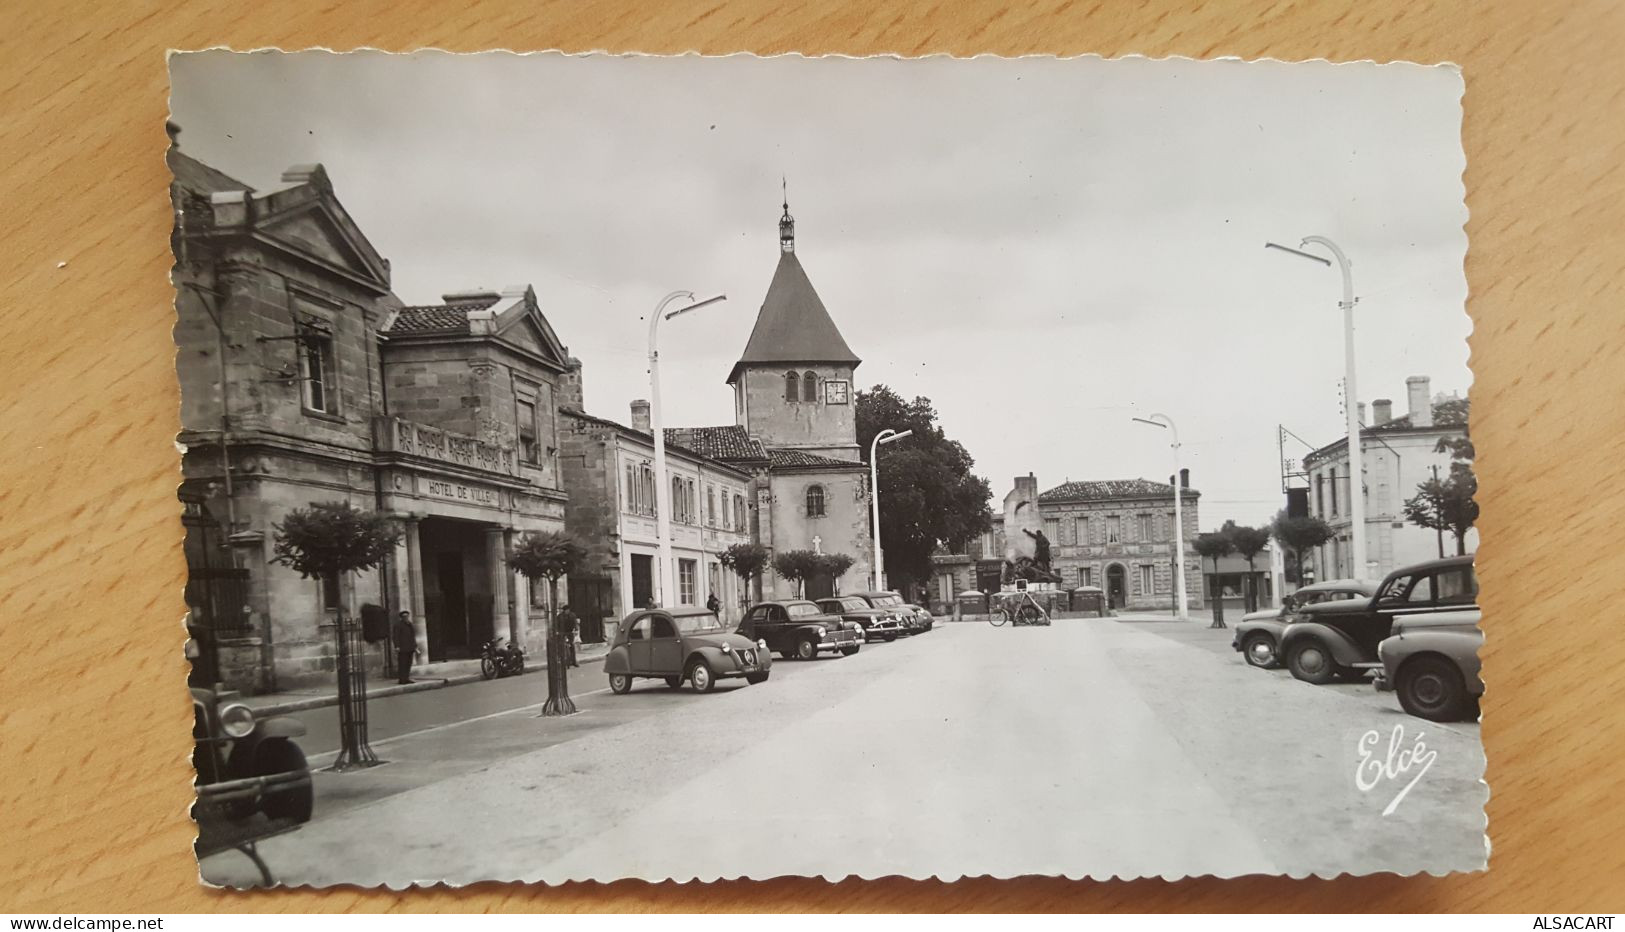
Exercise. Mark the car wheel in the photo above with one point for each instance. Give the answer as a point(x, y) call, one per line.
point(620, 683)
point(848, 651)
point(756, 678)
point(1431, 688)
point(279, 755)
point(806, 649)
point(1311, 661)
point(674, 681)
point(700, 677)
point(1259, 649)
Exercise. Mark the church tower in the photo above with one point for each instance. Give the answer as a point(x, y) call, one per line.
point(793, 384)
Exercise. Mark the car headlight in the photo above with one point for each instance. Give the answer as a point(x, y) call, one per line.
point(236, 720)
point(761, 644)
point(727, 648)
point(820, 632)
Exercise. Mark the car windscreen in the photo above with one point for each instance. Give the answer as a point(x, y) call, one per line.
point(887, 601)
point(803, 609)
point(697, 624)
point(854, 605)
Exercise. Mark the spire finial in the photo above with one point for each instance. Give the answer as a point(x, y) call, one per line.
point(787, 223)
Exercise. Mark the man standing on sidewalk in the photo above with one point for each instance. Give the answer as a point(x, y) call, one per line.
point(406, 646)
point(568, 623)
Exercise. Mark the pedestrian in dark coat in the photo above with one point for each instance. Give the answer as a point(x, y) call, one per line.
point(714, 605)
point(568, 622)
point(406, 646)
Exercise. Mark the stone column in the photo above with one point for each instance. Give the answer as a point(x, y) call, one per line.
point(496, 554)
point(412, 572)
point(519, 600)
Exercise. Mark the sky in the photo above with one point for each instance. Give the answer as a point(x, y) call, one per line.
point(1044, 248)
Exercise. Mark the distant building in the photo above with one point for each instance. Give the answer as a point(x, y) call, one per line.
point(1399, 453)
point(795, 430)
point(609, 474)
point(1115, 535)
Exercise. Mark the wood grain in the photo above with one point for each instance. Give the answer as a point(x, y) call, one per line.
point(93, 722)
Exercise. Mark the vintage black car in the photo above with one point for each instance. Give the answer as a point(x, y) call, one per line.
point(246, 766)
point(1338, 639)
point(683, 644)
point(915, 619)
point(800, 629)
point(875, 622)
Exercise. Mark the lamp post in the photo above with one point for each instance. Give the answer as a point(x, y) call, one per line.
point(1350, 396)
point(1163, 420)
point(662, 487)
point(884, 437)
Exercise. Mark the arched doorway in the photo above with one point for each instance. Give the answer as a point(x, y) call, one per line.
point(1116, 586)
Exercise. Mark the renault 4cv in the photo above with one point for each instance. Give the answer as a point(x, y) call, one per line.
point(799, 629)
point(679, 644)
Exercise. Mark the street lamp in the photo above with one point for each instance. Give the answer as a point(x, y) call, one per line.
point(884, 437)
point(1163, 420)
point(1350, 395)
point(662, 486)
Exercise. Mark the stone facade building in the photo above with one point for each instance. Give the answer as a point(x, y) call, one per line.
point(1115, 535)
point(305, 380)
point(608, 471)
point(795, 431)
point(1400, 454)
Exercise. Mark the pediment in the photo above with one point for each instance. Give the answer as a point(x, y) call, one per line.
point(322, 232)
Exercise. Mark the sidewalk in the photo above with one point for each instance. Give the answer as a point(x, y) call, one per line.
point(435, 676)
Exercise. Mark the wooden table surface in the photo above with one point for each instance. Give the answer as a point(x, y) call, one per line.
point(94, 736)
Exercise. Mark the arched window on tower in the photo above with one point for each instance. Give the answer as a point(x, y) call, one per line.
point(815, 501)
point(809, 386)
point(792, 387)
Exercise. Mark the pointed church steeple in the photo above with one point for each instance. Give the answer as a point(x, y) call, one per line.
point(792, 326)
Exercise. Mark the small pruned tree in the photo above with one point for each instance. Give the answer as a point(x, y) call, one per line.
point(551, 555)
point(1248, 543)
point(1447, 504)
point(798, 566)
point(834, 565)
point(747, 561)
point(1299, 536)
point(1213, 545)
point(325, 541)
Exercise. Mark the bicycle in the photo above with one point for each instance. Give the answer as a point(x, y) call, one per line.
point(1026, 612)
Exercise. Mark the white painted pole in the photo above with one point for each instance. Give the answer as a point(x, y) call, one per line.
point(884, 437)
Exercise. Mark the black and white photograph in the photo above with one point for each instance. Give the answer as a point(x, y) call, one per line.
point(596, 467)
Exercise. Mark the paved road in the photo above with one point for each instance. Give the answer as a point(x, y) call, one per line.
point(1092, 747)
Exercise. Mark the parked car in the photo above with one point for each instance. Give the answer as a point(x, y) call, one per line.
point(681, 644)
point(914, 618)
point(246, 765)
point(1431, 661)
point(799, 629)
point(875, 622)
point(1258, 633)
point(1338, 639)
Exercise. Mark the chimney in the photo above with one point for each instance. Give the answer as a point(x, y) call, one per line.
point(569, 387)
point(1383, 410)
point(1363, 422)
point(1421, 400)
point(1184, 478)
point(640, 415)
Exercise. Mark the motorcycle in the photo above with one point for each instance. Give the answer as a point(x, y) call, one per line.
point(498, 661)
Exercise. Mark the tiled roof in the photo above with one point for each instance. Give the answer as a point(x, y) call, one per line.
point(728, 442)
point(452, 316)
point(792, 326)
point(671, 444)
point(198, 178)
point(792, 459)
point(1108, 489)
